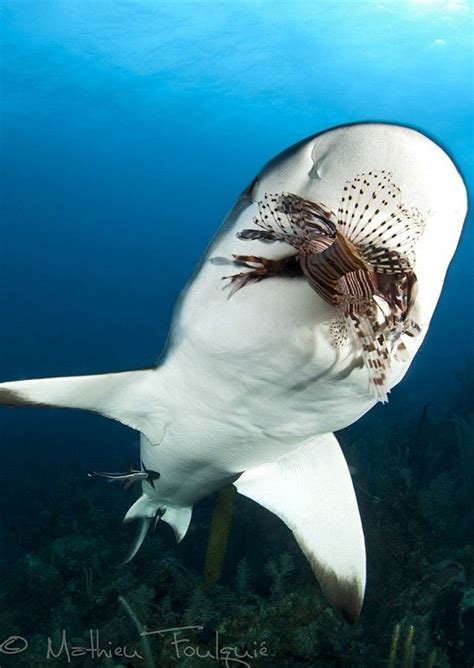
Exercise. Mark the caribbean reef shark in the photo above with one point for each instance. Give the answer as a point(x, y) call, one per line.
point(346, 237)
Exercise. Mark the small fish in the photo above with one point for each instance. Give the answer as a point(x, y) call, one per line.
point(359, 260)
point(128, 479)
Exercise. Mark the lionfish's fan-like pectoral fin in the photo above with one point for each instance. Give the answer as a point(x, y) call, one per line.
point(372, 216)
point(310, 217)
point(291, 219)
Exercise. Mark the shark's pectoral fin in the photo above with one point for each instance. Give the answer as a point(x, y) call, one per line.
point(128, 396)
point(311, 491)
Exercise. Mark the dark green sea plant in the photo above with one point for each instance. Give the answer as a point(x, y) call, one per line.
point(147, 654)
point(243, 578)
point(407, 657)
point(280, 570)
point(408, 652)
point(88, 581)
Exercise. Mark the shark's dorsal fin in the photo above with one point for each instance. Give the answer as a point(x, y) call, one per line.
point(127, 396)
point(311, 490)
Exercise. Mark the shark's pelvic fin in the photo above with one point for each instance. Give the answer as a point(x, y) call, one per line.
point(147, 508)
point(142, 530)
point(179, 519)
point(125, 396)
point(311, 490)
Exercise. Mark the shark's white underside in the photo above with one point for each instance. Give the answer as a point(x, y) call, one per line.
point(251, 388)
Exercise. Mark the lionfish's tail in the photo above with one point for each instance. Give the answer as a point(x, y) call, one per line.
point(375, 354)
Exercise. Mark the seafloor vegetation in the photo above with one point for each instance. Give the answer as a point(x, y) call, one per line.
point(414, 479)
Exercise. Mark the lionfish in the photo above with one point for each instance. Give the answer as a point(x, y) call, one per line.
point(360, 260)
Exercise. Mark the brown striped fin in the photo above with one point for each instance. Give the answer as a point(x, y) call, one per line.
point(291, 219)
point(372, 216)
point(375, 353)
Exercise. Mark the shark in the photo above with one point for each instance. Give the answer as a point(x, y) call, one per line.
point(257, 375)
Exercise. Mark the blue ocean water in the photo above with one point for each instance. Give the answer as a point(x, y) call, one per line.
point(128, 129)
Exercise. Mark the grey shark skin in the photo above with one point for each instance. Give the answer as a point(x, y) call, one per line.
point(250, 388)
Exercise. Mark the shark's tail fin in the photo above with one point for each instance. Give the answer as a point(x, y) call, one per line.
point(125, 396)
point(311, 490)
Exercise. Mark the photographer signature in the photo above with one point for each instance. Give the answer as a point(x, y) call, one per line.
point(183, 647)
